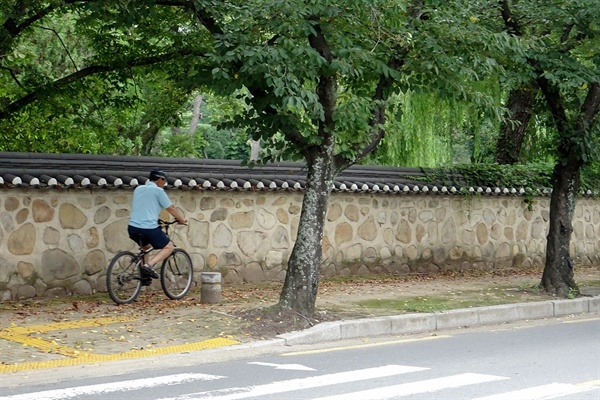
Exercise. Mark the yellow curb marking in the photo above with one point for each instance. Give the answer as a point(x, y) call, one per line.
point(19, 334)
point(94, 358)
point(580, 320)
point(590, 383)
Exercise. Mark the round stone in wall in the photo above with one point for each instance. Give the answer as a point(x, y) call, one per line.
point(51, 235)
point(82, 287)
point(94, 262)
point(42, 211)
point(6, 270)
point(21, 241)
point(11, 204)
point(58, 265)
point(102, 215)
point(71, 217)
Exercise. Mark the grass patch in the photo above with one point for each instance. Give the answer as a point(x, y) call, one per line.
point(588, 282)
point(454, 300)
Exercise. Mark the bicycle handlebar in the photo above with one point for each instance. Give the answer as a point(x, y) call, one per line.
point(162, 222)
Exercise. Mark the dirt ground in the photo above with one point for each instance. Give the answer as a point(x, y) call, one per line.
point(372, 296)
point(245, 313)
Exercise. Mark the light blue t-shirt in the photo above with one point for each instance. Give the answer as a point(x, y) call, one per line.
point(148, 201)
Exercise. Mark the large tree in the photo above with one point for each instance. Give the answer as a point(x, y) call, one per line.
point(563, 60)
point(322, 75)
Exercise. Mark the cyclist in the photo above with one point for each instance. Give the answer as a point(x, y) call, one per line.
point(148, 201)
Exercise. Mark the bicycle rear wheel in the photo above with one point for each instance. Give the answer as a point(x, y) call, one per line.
point(176, 275)
point(123, 278)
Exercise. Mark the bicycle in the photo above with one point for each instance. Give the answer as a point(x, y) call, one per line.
point(124, 279)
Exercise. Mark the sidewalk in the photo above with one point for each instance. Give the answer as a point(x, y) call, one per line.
point(50, 333)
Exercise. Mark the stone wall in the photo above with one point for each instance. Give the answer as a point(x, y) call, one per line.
point(55, 242)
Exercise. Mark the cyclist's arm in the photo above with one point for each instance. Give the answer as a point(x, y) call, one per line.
point(176, 214)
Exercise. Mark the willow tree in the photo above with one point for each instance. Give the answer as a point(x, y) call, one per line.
point(429, 129)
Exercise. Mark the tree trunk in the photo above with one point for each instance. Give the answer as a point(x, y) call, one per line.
point(149, 136)
point(254, 150)
point(558, 275)
point(514, 126)
point(195, 114)
point(301, 284)
point(558, 271)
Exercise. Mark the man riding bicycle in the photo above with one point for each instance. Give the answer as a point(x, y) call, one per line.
point(148, 202)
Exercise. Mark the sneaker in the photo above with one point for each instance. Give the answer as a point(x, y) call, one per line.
point(148, 271)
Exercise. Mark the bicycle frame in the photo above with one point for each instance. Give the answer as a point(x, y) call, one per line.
point(176, 272)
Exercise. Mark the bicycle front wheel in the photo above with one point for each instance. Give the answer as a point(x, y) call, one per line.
point(176, 275)
point(123, 278)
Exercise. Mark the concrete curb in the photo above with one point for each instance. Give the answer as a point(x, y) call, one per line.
point(429, 322)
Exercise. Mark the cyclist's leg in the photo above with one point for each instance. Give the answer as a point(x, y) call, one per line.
point(143, 237)
point(159, 240)
point(162, 254)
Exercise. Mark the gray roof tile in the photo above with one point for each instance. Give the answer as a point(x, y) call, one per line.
point(109, 171)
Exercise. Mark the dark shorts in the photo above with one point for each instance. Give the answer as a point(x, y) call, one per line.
point(156, 237)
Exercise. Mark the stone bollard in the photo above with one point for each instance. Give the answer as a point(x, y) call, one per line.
point(210, 292)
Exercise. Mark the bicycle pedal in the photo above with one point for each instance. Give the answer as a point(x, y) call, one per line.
point(147, 271)
point(146, 281)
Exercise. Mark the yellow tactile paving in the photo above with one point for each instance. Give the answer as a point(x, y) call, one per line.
point(19, 334)
point(56, 326)
point(44, 345)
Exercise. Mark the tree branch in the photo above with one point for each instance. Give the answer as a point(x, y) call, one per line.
point(590, 106)
point(14, 27)
point(510, 22)
point(565, 36)
point(554, 100)
point(82, 73)
point(206, 19)
point(327, 86)
point(14, 76)
point(378, 117)
point(63, 45)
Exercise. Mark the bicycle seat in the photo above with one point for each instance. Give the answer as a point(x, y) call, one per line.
point(139, 238)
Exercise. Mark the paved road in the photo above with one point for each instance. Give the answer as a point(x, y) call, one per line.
point(557, 359)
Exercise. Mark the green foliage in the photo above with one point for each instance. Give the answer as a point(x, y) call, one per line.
point(442, 108)
point(291, 68)
point(590, 177)
point(560, 39)
point(425, 130)
point(532, 176)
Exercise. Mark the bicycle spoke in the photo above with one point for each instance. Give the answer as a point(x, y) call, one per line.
point(123, 278)
point(177, 274)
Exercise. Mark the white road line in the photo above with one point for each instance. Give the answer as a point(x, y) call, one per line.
point(104, 388)
point(302, 383)
point(292, 367)
point(407, 389)
point(550, 391)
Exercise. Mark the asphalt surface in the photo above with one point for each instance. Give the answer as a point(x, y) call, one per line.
point(79, 337)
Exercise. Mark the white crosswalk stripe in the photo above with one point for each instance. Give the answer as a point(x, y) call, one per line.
point(407, 389)
point(106, 388)
point(544, 392)
point(302, 383)
point(371, 380)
